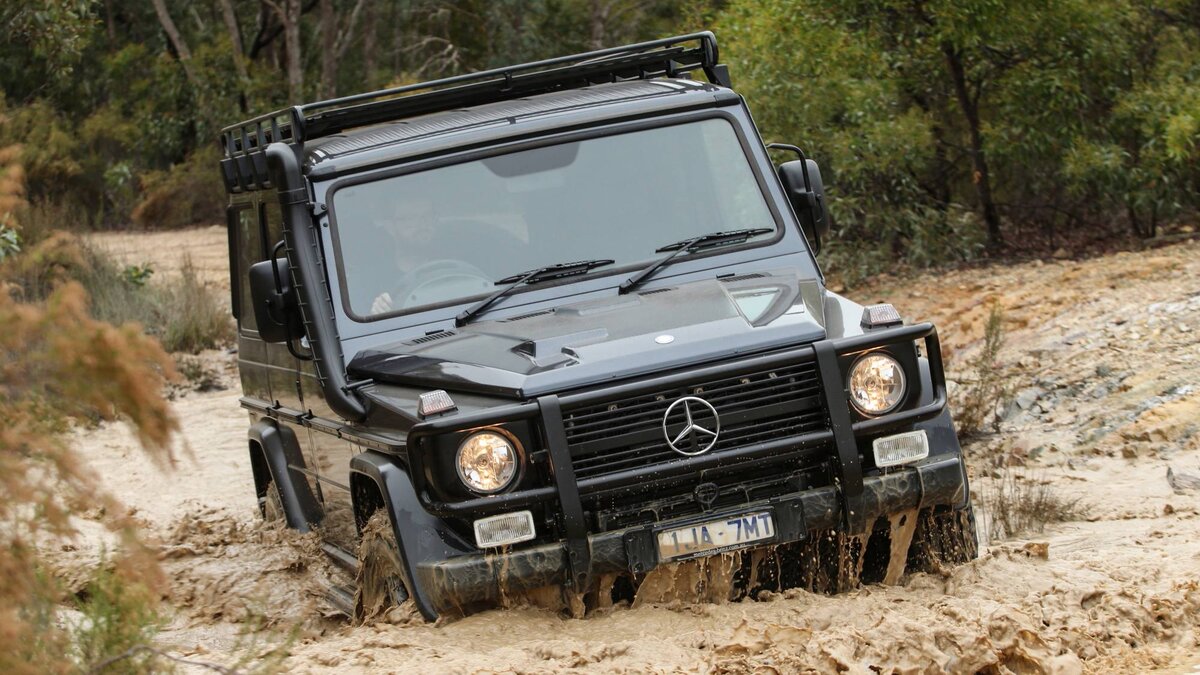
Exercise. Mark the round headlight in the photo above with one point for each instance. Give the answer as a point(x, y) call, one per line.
point(487, 461)
point(876, 384)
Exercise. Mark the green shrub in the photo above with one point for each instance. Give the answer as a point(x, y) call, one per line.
point(117, 619)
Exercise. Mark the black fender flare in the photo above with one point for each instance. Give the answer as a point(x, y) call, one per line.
point(421, 537)
point(281, 456)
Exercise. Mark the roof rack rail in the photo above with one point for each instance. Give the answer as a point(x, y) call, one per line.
point(244, 165)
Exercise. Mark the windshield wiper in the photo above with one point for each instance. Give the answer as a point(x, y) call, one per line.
point(687, 246)
point(532, 276)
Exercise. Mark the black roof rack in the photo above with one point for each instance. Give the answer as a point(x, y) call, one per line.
point(244, 165)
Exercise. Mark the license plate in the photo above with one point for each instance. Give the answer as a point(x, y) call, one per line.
point(715, 536)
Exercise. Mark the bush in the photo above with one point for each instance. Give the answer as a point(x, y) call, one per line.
point(189, 193)
point(1016, 505)
point(985, 391)
point(117, 618)
point(183, 313)
point(57, 363)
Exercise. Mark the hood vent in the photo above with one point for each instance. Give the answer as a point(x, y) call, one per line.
point(658, 290)
point(743, 277)
point(432, 337)
point(522, 317)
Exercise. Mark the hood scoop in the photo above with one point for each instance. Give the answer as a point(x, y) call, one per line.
point(555, 350)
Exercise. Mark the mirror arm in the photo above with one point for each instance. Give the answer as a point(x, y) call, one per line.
point(275, 266)
point(803, 158)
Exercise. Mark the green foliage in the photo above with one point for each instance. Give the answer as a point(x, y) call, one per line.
point(137, 275)
point(1084, 111)
point(10, 241)
point(116, 616)
point(1072, 118)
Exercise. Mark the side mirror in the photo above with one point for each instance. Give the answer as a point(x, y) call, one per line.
point(807, 195)
point(275, 303)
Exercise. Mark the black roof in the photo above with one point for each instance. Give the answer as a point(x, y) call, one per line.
point(566, 105)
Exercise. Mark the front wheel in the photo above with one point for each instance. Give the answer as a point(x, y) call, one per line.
point(271, 506)
point(943, 538)
point(382, 583)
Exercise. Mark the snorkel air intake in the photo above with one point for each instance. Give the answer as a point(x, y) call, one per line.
point(316, 307)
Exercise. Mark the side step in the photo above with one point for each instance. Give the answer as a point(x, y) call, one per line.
point(341, 596)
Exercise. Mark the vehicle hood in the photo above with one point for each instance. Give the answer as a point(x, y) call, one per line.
point(586, 343)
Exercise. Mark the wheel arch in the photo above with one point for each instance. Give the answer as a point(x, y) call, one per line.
point(382, 481)
point(275, 457)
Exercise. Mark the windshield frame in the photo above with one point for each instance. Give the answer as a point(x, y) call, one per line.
point(519, 144)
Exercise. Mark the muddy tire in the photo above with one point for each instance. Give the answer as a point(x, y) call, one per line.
point(271, 506)
point(943, 538)
point(382, 583)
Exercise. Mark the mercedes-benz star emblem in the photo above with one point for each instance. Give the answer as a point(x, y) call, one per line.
point(700, 426)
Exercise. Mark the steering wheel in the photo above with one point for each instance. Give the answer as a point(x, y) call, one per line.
point(424, 283)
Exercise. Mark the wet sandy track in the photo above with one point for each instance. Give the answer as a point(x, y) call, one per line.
point(1107, 369)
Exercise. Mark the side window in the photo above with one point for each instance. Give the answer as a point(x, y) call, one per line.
point(250, 251)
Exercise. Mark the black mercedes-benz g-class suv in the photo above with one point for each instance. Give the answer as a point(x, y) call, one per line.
point(563, 321)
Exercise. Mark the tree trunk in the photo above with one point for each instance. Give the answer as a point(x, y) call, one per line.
point(239, 56)
point(290, 18)
point(981, 178)
point(177, 43)
point(369, 57)
point(109, 24)
point(598, 23)
point(328, 28)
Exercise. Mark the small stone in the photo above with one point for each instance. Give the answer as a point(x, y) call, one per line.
point(1038, 549)
point(1129, 452)
point(1168, 510)
point(1027, 397)
point(1061, 254)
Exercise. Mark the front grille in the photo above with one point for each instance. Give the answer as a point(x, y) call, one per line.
point(756, 406)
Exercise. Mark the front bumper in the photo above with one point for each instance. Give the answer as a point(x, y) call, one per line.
point(463, 581)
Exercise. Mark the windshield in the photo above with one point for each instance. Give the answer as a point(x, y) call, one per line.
point(447, 235)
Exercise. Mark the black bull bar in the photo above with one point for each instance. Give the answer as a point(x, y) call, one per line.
point(850, 504)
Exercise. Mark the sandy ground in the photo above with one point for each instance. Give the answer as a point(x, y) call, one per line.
point(207, 247)
point(1104, 360)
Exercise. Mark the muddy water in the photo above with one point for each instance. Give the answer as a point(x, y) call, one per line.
point(1109, 401)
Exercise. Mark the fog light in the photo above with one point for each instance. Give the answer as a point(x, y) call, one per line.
point(905, 448)
point(505, 529)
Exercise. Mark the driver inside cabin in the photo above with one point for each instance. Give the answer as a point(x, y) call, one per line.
point(405, 241)
point(445, 235)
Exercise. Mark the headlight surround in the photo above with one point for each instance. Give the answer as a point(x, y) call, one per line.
point(488, 461)
point(877, 384)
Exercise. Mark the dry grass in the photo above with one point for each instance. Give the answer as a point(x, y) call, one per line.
point(985, 391)
point(178, 310)
point(57, 364)
point(1015, 505)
